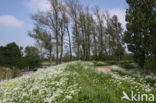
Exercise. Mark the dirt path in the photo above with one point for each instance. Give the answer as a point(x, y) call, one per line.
point(106, 68)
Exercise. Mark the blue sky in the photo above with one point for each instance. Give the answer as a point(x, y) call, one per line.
point(15, 19)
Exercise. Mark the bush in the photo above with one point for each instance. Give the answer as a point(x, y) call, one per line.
point(29, 62)
point(128, 65)
point(127, 57)
point(105, 63)
point(3, 59)
point(2, 74)
point(150, 65)
point(15, 72)
point(8, 74)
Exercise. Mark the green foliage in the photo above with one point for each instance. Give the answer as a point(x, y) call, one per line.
point(29, 62)
point(105, 63)
point(138, 75)
point(114, 31)
point(43, 39)
point(100, 63)
point(77, 82)
point(10, 54)
point(15, 72)
point(123, 64)
point(127, 65)
point(2, 74)
point(127, 57)
point(100, 87)
point(8, 74)
point(95, 87)
point(31, 51)
point(15, 50)
point(150, 65)
point(3, 59)
point(140, 29)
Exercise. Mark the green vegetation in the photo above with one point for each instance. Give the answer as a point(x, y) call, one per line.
point(29, 62)
point(11, 56)
point(75, 82)
point(140, 33)
point(123, 64)
point(128, 68)
point(71, 31)
point(102, 87)
point(6, 73)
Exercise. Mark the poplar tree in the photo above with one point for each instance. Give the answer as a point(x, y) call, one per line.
point(139, 34)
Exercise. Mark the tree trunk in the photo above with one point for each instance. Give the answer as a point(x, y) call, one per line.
point(57, 49)
point(95, 46)
point(70, 48)
point(50, 56)
point(61, 48)
point(78, 44)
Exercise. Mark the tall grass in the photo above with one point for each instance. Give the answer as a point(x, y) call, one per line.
point(98, 87)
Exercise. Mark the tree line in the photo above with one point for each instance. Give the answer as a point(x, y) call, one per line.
point(70, 29)
point(14, 56)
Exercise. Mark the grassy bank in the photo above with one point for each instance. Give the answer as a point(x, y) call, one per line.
point(74, 82)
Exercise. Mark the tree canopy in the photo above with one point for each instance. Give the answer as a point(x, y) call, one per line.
point(140, 17)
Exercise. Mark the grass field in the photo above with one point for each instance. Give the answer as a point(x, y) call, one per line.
point(79, 82)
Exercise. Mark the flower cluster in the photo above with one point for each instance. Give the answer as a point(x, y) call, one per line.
point(131, 77)
point(44, 86)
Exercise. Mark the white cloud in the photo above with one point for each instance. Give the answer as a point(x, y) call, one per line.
point(121, 15)
point(10, 21)
point(38, 5)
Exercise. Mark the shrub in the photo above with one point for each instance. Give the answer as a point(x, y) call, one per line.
point(29, 62)
point(3, 59)
point(150, 65)
point(5, 74)
point(127, 65)
point(15, 72)
point(106, 63)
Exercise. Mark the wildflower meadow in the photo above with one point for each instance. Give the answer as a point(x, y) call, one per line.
point(78, 82)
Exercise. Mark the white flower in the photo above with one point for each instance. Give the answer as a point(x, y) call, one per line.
point(148, 90)
point(68, 97)
point(49, 84)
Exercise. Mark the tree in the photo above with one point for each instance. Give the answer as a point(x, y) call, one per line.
point(63, 29)
point(69, 41)
point(101, 34)
point(3, 58)
point(74, 10)
point(88, 36)
point(152, 26)
point(94, 39)
point(29, 62)
point(31, 51)
point(13, 50)
point(114, 35)
point(44, 39)
point(53, 21)
point(139, 29)
point(11, 53)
